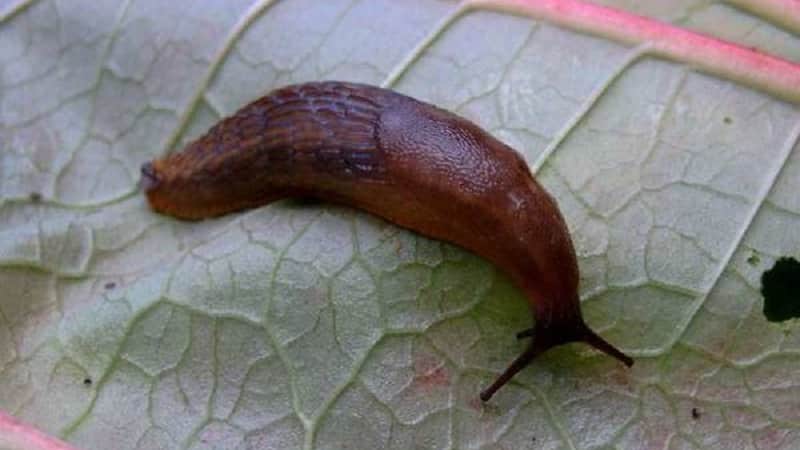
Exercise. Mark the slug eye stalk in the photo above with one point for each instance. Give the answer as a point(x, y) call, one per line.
point(542, 341)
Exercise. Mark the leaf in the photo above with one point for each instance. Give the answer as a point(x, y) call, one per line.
point(672, 154)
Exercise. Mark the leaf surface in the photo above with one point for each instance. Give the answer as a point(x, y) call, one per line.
point(672, 154)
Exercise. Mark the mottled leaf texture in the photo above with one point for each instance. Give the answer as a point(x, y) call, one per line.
point(667, 131)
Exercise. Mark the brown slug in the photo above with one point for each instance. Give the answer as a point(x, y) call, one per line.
point(411, 163)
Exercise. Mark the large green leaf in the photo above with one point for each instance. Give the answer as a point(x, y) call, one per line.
point(673, 156)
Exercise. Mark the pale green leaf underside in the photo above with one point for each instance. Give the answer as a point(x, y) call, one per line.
point(313, 326)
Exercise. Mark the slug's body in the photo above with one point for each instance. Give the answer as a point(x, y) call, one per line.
point(409, 162)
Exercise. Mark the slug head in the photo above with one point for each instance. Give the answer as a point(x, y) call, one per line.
point(545, 337)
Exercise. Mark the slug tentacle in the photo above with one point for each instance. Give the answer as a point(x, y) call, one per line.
point(544, 340)
point(589, 337)
point(518, 364)
point(593, 339)
point(409, 162)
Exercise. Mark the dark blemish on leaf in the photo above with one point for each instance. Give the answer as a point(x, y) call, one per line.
point(696, 413)
point(35, 197)
point(438, 377)
point(87, 381)
point(110, 285)
point(754, 259)
point(780, 287)
point(727, 120)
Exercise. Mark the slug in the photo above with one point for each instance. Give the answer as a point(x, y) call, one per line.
point(409, 162)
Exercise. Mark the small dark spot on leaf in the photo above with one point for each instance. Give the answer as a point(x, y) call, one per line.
point(35, 197)
point(780, 287)
point(87, 381)
point(727, 120)
point(753, 259)
point(696, 413)
point(110, 285)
